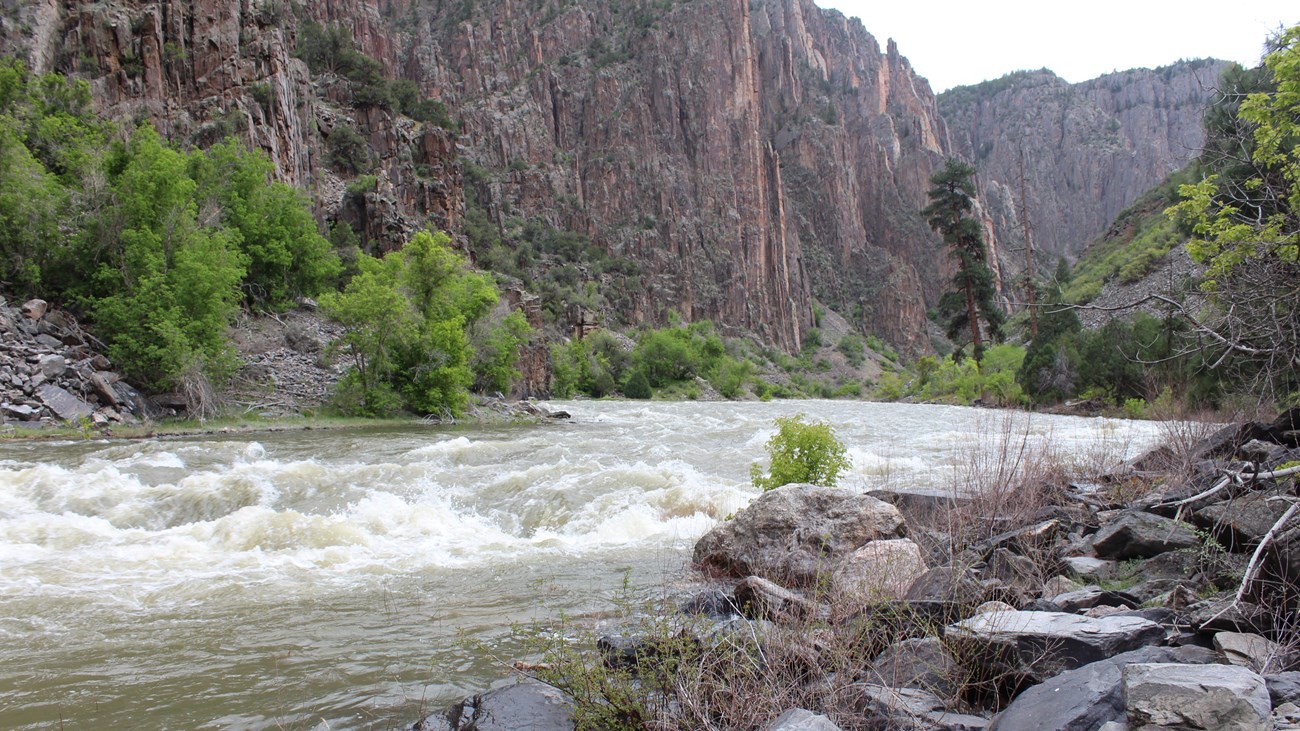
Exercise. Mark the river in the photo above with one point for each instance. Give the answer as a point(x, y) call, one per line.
point(352, 579)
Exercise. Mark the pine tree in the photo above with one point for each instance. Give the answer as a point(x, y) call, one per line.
point(972, 299)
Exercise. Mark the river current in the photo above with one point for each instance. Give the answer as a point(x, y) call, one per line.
point(357, 579)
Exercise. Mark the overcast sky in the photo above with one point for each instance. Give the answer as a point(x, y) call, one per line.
point(956, 43)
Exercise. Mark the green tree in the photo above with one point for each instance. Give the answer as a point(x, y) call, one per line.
point(972, 300)
point(166, 287)
point(406, 318)
point(802, 451)
point(287, 256)
point(1245, 217)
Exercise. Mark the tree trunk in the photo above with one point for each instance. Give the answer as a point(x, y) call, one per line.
point(976, 346)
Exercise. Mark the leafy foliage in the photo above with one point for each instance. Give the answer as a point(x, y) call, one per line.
point(406, 318)
point(803, 452)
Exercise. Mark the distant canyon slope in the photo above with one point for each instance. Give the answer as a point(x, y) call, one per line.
point(751, 155)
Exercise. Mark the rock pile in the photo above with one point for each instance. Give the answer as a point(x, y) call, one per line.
point(51, 371)
point(1097, 614)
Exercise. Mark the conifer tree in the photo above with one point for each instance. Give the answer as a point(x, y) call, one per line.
point(972, 299)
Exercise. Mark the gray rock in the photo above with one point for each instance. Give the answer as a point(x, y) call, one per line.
point(524, 706)
point(798, 719)
point(1188, 697)
point(35, 309)
point(1094, 596)
point(53, 366)
point(1242, 521)
point(796, 532)
point(1086, 697)
point(63, 404)
point(22, 411)
point(1017, 572)
point(1038, 645)
point(909, 709)
point(1250, 651)
point(1089, 567)
point(1139, 535)
point(763, 599)
point(922, 663)
point(1283, 687)
point(948, 584)
point(878, 571)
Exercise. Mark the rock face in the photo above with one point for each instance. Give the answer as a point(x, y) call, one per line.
point(1089, 149)
point(796, 532)
point(1209, 697)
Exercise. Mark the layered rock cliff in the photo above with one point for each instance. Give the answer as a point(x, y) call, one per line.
point(749, 156)
point(1087, 151)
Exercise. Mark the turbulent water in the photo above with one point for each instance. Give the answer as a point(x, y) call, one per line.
point(357, 579)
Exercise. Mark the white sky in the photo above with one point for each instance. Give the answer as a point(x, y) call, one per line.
point(953, 43)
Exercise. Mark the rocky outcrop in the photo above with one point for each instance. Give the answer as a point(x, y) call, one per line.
point(52, 372)
point(1088, 149)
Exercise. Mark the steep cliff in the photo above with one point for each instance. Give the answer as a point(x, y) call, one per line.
point(1087, 151)
point(749, 156)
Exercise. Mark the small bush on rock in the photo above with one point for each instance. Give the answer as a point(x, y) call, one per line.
point(802, 451)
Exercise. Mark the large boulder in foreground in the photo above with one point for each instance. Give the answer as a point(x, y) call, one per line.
point(792, 534)
point(1038, 645)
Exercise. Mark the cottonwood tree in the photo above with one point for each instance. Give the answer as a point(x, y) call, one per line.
point(1246, 223)
point(972, 299)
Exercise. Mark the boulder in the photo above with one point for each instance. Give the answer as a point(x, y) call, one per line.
point(762, 599)
point(712, 603)
point(35, 309)
point(1189, 697)
point(877, 571)
point(52, 366)
point(1058, 585)
point(909, 709)
point(1242, 521)
point(948, 584)
point(524, 706)
point(1094, 596)
point(63, 404)
point(798, 719)
point(1038, 645)
point(1250, 651)
point(796, 532)
point(1084, 698)
point(1139, 535)
point(1089, 567)
point(922, 663)
point(1283, 687)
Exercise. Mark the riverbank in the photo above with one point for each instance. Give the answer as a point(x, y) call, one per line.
point(1160, 595)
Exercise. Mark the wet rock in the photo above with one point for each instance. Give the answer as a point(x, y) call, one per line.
point(523, 706)
point(1194, 697)
point(877, 571)
point(1038, 645)
point(798, 719)
point(1140, 535)
point(1084, 698)
point(795, 533)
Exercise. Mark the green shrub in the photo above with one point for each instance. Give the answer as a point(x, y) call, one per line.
point(801, 452)
point(638, 386)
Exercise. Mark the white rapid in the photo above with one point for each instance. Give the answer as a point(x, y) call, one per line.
point(352, 579)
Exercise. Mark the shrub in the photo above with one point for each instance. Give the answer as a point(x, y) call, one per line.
point(802, 451)
point(638, 386)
